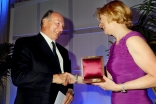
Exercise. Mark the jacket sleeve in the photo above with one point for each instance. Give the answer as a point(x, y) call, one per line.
point(22, 72)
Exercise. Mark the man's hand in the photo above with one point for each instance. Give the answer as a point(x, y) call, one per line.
point(69, 97)
point(61, 79)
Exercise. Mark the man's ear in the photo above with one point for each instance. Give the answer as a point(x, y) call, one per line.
point(44, 22)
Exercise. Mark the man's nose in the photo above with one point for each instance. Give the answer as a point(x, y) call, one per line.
point(61, 28)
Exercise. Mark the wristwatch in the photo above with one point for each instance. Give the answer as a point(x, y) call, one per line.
point(76, 79)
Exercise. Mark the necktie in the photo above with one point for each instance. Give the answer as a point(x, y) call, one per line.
point(55, 54)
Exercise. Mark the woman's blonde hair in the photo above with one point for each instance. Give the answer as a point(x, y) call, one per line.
point(116, 11)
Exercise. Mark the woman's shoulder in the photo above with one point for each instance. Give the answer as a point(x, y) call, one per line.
point(133, 33)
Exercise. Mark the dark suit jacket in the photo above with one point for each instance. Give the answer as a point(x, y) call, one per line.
point(33, 68)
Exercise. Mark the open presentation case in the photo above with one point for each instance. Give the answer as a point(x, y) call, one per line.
point(92, 69)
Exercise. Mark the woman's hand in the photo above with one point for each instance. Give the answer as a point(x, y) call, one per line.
point(73, 79)
point(109, 85)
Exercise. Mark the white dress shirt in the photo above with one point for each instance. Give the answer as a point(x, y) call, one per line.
point(48, 40)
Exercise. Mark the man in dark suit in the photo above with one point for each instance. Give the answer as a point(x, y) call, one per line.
point(39, 72)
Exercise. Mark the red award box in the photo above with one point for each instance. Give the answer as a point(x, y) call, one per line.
point(92, 69)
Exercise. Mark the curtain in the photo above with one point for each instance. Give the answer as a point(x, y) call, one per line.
point(4, 20)
point(5, 6)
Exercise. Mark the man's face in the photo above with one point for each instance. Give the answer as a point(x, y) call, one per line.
point(55, 25)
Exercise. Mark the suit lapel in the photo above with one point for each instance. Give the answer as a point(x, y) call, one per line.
point(45, 48)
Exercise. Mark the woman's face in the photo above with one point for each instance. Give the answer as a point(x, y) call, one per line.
point(107, 27)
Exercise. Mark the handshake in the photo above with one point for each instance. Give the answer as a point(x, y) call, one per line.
point(66, 78)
